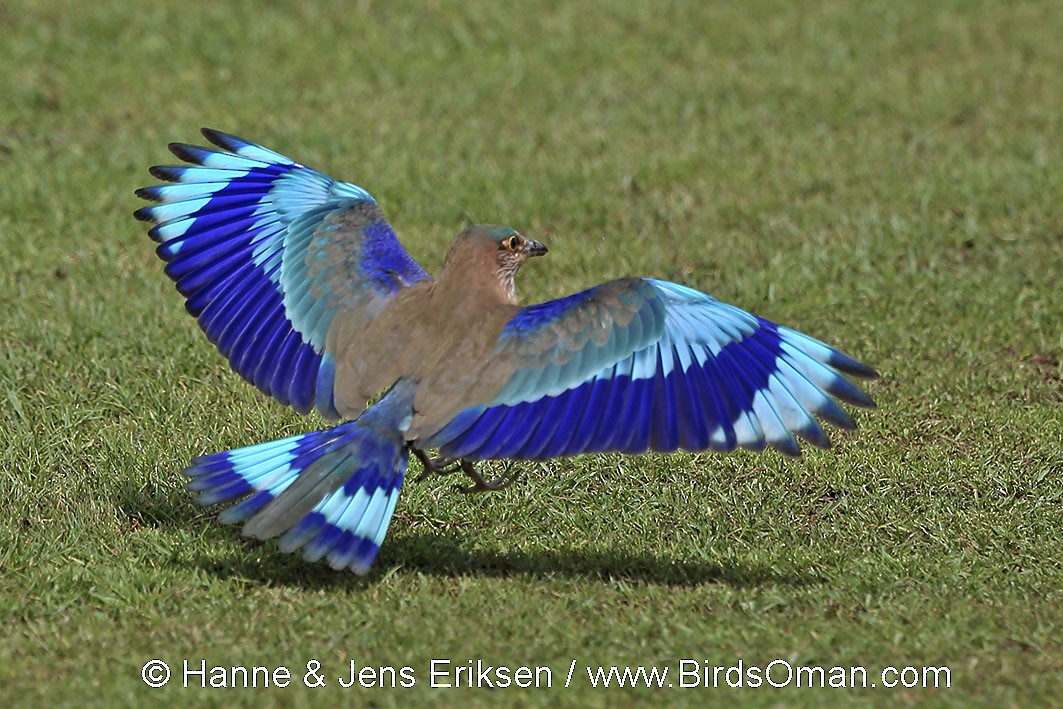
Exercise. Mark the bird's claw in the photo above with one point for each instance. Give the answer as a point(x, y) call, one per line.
point(447, 466)
point(482, 485)
point(436, 466)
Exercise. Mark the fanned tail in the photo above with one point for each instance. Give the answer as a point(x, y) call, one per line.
point(330, 493)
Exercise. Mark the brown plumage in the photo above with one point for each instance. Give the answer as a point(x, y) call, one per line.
point(452, 323)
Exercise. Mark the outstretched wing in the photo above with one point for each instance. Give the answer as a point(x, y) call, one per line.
point(266, 251)
point(638, 365)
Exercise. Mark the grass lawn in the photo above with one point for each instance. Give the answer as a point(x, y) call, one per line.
point(882, 175)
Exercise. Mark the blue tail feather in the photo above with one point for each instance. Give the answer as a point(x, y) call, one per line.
point(330, 493)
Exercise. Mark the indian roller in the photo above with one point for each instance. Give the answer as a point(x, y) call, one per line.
point(303, 286)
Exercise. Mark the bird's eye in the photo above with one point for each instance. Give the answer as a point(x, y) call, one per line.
point(512, 243)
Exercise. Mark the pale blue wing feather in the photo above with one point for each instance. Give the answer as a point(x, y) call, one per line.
point(709, 376)
point(266, 251)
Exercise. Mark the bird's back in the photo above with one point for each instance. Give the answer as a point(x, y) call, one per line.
point(432, 333)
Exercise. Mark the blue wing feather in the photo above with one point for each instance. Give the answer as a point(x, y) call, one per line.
point(637, 424)
point(569, 411)
point(237, 227)
point(664, 433)
point(598, 393)
point(544, 430)
point(702, 374)
point(510, 432)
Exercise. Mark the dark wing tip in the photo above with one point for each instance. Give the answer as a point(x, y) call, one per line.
point(832, 412)
point(144, 213)
point(222, 140)
point(851, 394)
point(166, 173)
point(788, 447)
point(177, 148)
point(186, 152)
point(814, 434)
point(841, 361)
point(147, 193)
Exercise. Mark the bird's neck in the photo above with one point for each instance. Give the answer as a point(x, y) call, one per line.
point(475, 279)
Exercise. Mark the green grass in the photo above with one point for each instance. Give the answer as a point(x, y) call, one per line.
point(883, 175)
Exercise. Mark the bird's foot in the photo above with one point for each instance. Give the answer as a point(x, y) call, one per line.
point(479, 484)
point(448, 466)
point(436, 466)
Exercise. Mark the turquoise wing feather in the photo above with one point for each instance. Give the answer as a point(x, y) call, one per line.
point(680, 369)
point(266, 251)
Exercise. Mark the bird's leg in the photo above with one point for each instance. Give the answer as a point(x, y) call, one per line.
point(480, 484)
point(447, 466)
point(439, 466)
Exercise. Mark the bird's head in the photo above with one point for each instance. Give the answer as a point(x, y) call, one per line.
point(498, 248)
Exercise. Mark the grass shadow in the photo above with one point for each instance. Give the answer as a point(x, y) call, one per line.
point(448, 556)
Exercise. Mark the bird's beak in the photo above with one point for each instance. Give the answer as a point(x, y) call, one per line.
point(534, 248)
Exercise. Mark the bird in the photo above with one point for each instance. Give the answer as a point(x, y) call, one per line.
point(302, 284)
